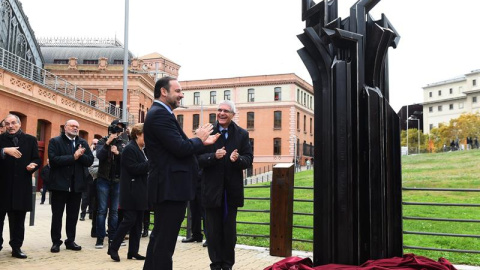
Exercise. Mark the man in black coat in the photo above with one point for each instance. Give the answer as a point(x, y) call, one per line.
point(70, 156)
point(222, 185)
point(19, 160)
point(173, 170)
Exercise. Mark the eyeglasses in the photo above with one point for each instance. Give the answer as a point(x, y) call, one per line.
point(222, 110)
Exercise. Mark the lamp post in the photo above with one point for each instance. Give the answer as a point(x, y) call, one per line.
point(418, 130)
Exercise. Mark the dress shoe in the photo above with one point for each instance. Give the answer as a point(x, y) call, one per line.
point(113, 254)
point(205, 244)
point(135, 256)
point(191, 240)
point(55, 248)
point(82, 218)
point(145, 233)
point(73, 246)
point(17, 253)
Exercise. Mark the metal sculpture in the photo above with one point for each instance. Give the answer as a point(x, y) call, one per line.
point(357, 179)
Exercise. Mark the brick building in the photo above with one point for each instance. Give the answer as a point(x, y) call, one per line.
point(277, 110)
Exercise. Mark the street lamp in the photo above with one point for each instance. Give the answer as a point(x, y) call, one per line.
point(418, 130)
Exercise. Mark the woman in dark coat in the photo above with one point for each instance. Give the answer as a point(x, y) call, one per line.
point(133, 195)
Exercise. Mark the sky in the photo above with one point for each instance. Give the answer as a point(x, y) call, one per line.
point(231, 38)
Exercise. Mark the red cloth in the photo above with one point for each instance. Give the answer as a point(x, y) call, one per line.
point(407, 262)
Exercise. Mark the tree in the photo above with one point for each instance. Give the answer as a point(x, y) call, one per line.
point(466, 125)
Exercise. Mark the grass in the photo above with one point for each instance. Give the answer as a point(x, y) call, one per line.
point(459, 170)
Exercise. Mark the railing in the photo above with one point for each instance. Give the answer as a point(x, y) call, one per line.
point(256, 201)
point(436, 219)
point(31, 72)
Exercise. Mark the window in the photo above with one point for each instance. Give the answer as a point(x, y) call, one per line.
point(305, 123)
point(439, 92)
point(430, 109)
point(474, 82)
point(213, 97)
point(212, 118)
point(474, 99)
point(298, 95)
point(277, 146)
point(460, 105)
point(60, 61)
point(451, 90)
point(226, 95)
point(196, 98)
point(278, 94)
point(450, 106)
point(298, 121)
point(118, 62)
point(430, 94)
point(311, 125)
point(311, 102)
point(90, 62)
point(250, 120)
point(431, 126)
point(304, 99)
point(252, 141)
point(277, 119)
point(180, 120)
point(196, 121)
point(251, 95)
point(440, 108)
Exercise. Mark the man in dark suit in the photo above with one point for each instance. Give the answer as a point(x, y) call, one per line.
point(172, 172)
point(70, 157)
point(19, 160)
point(222, 185)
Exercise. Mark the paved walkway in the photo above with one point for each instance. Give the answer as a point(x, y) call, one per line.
point(37, 245)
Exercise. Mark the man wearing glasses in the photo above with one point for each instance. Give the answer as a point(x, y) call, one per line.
point(222, 185)
point(19, 160)
point(70, 156)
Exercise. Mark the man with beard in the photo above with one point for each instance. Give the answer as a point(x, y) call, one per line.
point(173, 170)
point(70, 157)
point(19, 160)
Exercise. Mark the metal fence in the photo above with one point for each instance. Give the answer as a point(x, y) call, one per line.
point(31, 72)
point(437, 219)
point(405, 203)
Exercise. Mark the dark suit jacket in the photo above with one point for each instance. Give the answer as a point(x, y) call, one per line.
point(173, 164)
point(15, 180)
point(133, 178)
point(63, 165)
point(222, 174)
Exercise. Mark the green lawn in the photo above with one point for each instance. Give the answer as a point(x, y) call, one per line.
point(441, 170)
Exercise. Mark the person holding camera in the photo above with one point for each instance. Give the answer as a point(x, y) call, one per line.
point(109, 150)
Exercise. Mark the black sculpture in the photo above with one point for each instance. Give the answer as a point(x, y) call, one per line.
point(357, 180)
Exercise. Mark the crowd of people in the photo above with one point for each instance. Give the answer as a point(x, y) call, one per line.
point(152, 166)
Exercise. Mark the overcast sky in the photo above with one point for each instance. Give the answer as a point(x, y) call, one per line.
point(230, 38)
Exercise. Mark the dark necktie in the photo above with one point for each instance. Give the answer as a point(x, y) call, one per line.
point(224, 134)
point(73, 148)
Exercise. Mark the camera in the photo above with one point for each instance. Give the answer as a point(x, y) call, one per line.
point(114, 127)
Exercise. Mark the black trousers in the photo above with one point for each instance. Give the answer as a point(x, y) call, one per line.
point(132, 222)
point(92, 189)
point(222, 236)
point(70, 201)
point(197, 214)
point(16, 223)
point(168, 219)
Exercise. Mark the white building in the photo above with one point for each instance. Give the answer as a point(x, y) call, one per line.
point(448, 99)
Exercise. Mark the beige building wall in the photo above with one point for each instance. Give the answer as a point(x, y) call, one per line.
point(448, 99)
